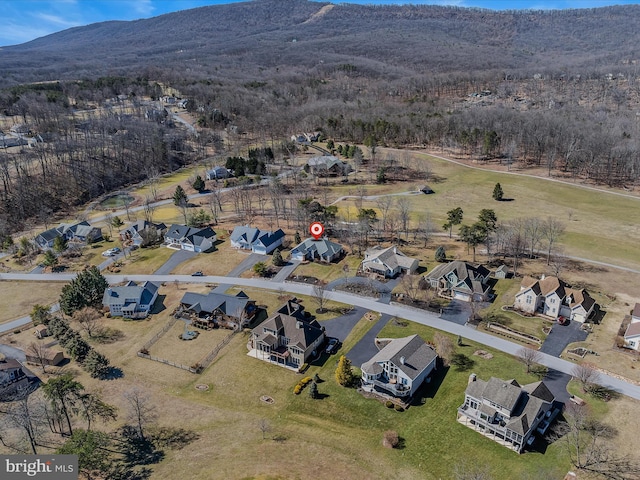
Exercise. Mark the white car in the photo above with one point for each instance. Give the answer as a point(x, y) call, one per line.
point(111, 252)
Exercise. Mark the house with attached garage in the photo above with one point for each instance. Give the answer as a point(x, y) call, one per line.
point(388, 262)
point(400, 367)
point(632, 334)
point(460, 280)
point(327, 166)
point(312, 249)
point(506, 412)
point(256, 240)
point(130, 300)
point(286, 340)
point(553, 298)
point(192, 239)
point(136, 233)
point(81, 233)
point(217, 173)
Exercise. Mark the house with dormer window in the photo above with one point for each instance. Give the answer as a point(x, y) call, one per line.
point(287, 340)
point(400, 367)
point(553, 298)
point(506, 412)
point(460, 280)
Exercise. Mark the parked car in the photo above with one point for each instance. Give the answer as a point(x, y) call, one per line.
point(108, 253)
point(332, 346)
point(197, 274)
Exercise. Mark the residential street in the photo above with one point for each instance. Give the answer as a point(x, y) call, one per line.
point(421, 317)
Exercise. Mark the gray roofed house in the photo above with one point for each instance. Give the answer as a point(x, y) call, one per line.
point(388, 262)
point(130, 300)
point(192, 239)
point(10, 372)
point(286, 340)
point(400, 367)
point(632, 334)
point(322, 249)
point(217, 172)
point(81, 232)
point(212, 310)
point(327, 166)
point(460, 280)
point(506, 412)
point(134, 233)
point(256, 240)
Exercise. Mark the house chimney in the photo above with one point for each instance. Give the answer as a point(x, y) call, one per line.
point(298, 325)
point(542, 277)
point(402, 360)
point(472, 378)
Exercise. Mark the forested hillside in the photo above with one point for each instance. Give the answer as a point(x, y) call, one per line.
point(552, 89)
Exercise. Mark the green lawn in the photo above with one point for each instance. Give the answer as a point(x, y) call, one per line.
point(329, 272)
point(145, 261)
point(433, 440)
point(592, 219)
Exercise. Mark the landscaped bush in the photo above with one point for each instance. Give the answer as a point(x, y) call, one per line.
point(399, 408)
point(306, 380)
point(297, 389)
point(390, 439)
point(388, 404)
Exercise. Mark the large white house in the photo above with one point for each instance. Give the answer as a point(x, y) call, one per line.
point(553, 298)
point(506, 412)
point(388, 262)
point(130, 300)
point(632, 335)
point(400, 367)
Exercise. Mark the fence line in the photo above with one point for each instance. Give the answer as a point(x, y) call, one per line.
point(206, 361)
point(172, 321)
point(167, 362)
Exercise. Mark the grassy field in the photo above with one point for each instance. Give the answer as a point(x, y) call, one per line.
point(593, 218)
point(219, 262)
point(145, 261)
point(329, 272)
point(339, 435)
point(20, 299)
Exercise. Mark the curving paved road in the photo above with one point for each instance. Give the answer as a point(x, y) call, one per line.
point(422, 317)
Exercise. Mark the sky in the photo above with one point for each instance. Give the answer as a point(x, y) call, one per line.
point(25, 20)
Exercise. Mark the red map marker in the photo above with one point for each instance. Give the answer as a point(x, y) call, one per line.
point(316, 229)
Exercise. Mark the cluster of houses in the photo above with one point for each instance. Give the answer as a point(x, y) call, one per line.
point(632, 333)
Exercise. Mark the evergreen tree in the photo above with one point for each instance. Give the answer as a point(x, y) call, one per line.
point(96, 364)
point(344, 374)
point(198, 184)
point(330, 145)
point(59, 244)
point(86, 290)
point(454, 217)
point(50, 259)
point(180, 197)
point(277, 258)
point(63, 393)
point(40, 314)
point(498, 194)
point(116, 222)
point(441, 255)
point(92, 449)
point(78, 348)
point(313, 390)
point(260, 269)
point(296, 239)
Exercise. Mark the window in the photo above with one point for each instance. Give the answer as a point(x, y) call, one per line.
point(529, 299)
point(473, 404)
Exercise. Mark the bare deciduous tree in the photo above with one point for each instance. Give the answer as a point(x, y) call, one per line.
point(588, 445)
point(444, 347)
point(39, 353)
point(586, 375)
point(410, 285)
point(264, 427)
point(404, 211)
point(89, 319)
point(319, 297)
point(529, 357)
point(552, 229)
point(140, 410)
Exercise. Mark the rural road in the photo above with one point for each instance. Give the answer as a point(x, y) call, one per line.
point(418, 316)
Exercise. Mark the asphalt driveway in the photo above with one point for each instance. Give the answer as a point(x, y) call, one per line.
point(561, 336)
point(366, 347)
point(340, 327)
point(174, 260)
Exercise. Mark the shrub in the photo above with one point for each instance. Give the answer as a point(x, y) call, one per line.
point(306, 380)
point(297, 389)
point(390, 439)
point(388, 404)
point(398, 408)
